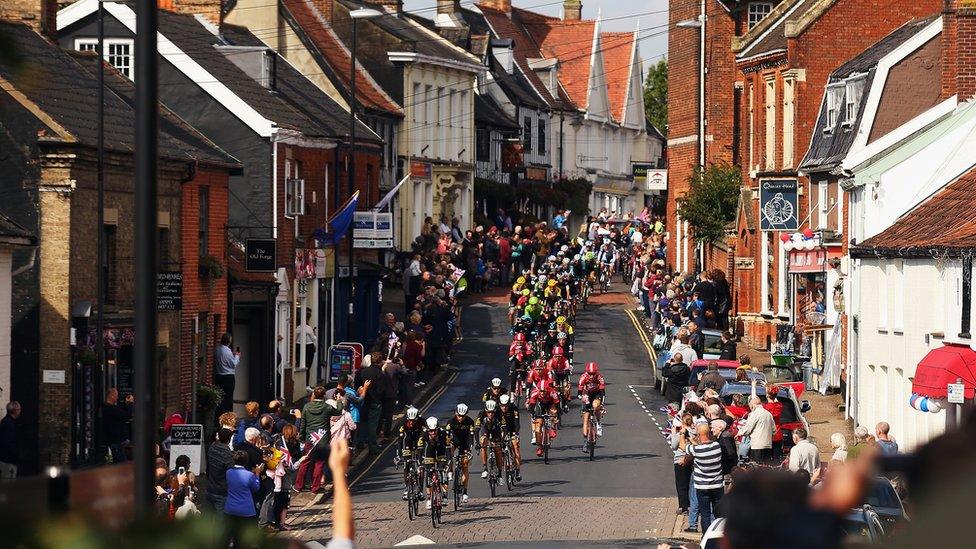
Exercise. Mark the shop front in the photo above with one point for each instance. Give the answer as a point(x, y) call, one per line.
point(815, 314)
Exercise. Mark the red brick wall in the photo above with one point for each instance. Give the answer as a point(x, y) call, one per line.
point(966, 51)
point(200, 295)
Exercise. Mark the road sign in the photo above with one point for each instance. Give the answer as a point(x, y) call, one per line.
point(956, 393)
point(187, 440)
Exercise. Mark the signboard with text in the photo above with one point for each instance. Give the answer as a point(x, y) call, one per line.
point(187, 440)
point(421, 170)
point(364, 225)
point(512, 156)
point(260, 255)
point(384, 225)
point(649, 178)
point(956, 393)
point(778, 205)
point(169, 290)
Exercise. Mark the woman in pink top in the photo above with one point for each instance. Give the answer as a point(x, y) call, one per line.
point(342, 425)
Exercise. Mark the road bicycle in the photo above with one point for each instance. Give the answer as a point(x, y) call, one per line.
point(591, 435)
point(412, 481)
point(458, 485)
point(545, 441)
point(492, 467)
point(509, 462)
point(517, 388)
point(605, 278)
point(436, 482)
point(565, 394)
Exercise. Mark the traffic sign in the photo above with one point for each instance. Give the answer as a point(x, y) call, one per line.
point(956, 393)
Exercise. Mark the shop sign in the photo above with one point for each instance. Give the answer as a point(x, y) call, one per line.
point(512, 156)
point(745, 263)
point(169, 290)
point(364, 225)
point(646, 177)
point(260, 255)
point(187, 440)
point(535, 174)
point(421, 170)
point(956, 393)
point(373, 226)
point(384, 225)
point(778, 205)
point(808, 261)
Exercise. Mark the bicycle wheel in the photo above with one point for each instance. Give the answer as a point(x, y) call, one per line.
point(509, 473)
point(591, 438)
point(434, 508)
point(411, 497)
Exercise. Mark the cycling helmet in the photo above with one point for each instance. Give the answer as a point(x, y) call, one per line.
point(564, 248)
point(551, 282)
point(496, 382)
point(520, 337)
point(432, 423)
point(561, 320)
point(562, 335)
point(592, 368)
point(520, 280)
point(551, 258)
point(552, 327)
point(542, 278)
point(526, 292)
point(490, 405)
point(533, 300)
point(412, 413)
point(565, 261)
point(504, 400)
point(462, 409)
point(557, 351)
point(589, 242)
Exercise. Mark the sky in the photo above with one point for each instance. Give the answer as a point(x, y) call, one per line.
point(617, 15)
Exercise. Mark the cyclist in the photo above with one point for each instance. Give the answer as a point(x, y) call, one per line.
point(490, 430)
point(433, 447)
point(562, 339)
point(494, 390)
point(542, 401)
point(560, 372)
point(510, 416)
point(563, 326)
point(513, 298)
point(410, 433)
point(540, 372)
point(592, 388)
point(533, 309)
point(553, 292)
point(461, 431)
point(607, 257)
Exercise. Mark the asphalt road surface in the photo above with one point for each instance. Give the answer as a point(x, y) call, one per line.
point(626, 494)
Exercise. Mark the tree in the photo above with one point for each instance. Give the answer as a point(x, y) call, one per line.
point(656, 95)
point(711, 201)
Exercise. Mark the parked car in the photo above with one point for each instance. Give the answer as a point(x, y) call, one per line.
point(712, 539)
point(793, 409)
point(713, 344)
point(884, 499)
point(862, 525)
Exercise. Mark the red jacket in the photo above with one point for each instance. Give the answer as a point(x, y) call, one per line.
point(590, 384)
point(536, 377)
point(539, 397)
point(775, 408)
point(504, 250)
point(557, 364)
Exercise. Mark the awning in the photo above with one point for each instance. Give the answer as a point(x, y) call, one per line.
point(943, 366)
point(389, 196)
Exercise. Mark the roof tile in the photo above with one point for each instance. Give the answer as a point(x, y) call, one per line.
point(617, 48)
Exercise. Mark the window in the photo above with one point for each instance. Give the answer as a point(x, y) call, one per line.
point(294, 188)
point(823, 204)
point(789, 85)
point(967, 297)
point(483, 145)
point(527, 134)
point(882, 298)
point(852, 93)
point(898, 289)
point(541, 141)
point(118, 52)
point(203, 221)
point(833, 105)
point(770, 153)
point(757, 11)
point(109, 262)
point(752, 127)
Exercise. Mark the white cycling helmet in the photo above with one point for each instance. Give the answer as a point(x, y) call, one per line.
point(490, 406)
point(432, 423)
point(565, 261)
point(564, 248)
point(412, 413)
point(551, 258)
point(462, 409)
point(589, 242)
point(504, 400)
point(576, 257)
point(496, 382)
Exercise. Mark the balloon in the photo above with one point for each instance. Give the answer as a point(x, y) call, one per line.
point(785, 237)
point(789, 245)
point(808, 232)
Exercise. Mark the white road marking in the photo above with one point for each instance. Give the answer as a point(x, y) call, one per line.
point(415, 540)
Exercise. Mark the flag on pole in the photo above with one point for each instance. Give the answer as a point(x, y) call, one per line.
point(337, 225)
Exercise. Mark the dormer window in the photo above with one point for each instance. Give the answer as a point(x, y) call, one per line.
point(834, 96)
point(118, 52)
point(758, 11)
point(854, 87)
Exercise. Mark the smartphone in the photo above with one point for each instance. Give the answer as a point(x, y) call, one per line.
point(294, 411)
point(181, 470)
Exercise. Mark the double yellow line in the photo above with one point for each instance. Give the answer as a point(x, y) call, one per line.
point(647, 342)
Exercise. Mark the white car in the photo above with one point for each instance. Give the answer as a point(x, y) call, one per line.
point(713, 536)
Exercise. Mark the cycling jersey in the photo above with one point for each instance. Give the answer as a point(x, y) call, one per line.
point(462, 432)
point(608, 256)
point(592, 384)
point(433, 445)
point(491, 394)
point(519, 352)
point(510, 418)
point(492, 427)
point(542, 400)
point(410, 432)
point(533, 311)
point(558, 364)
point(537, 375)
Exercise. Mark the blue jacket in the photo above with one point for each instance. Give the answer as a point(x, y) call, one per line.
point(355, 403)
point(241, 487)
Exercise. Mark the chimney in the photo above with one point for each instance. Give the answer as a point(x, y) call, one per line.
point(959, 49)
point(504, 6)
point(391, 6)
point(41, 15)
point(211, 9)
point(572, 10)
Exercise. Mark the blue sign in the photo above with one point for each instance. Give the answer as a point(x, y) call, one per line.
point(778, 205)
point(341, 358)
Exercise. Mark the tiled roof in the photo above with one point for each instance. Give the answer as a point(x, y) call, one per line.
point(572, 43)
point(64, 90)
point(617, 48)
point(12, 233)
point(526, 48)
point(335, 53)
point(828, 148)
point(943, 221)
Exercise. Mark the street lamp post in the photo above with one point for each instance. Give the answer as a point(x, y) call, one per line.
point(355, 15)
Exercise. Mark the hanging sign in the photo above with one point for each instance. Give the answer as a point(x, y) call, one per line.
point(778, 205)
point(169, 290)
point(260, 255)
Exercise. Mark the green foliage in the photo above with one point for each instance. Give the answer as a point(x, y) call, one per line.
point(656, 95)
point(711, 201)
point(571, 194)
point(211, 268)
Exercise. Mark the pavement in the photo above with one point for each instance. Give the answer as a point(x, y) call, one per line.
point(625, 497)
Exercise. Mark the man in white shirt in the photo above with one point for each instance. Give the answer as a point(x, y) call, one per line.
point(759, 428)
point(680, 345)
point(305, 337)
point(804, 454)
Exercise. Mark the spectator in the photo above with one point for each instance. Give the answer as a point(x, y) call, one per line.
point(373, 403)
point(289, 442)
point(728, 346)
point(390, 389)
point(413, 356)
point(712, 379)
point(885, 442)
point(411, 282)
point(220, 458)
point(696, 340)
point(9, 443)
point(352, 399)
point(242, 487)
point(804, 454)
point(251, 409)
point(275, 409)
point(225, 370)
point(343, 425)
point(759, 428)
point(682, 462)
point(305, 338)
point(838, 442)
point(860, 442)
point(266, 426)
point(676, 376)
point(316, 417)
point(116, 420)
point(681, 346)
point(228, 420)
point(250, 446)
point(707, 476)
point(775, 408)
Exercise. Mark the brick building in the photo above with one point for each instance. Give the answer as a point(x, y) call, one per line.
point(51, 188)
point(782, 65)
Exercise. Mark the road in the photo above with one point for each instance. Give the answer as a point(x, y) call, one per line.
point(626, 493)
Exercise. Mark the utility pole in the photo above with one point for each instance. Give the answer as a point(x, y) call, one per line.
point(100, 236)
point(146, 156)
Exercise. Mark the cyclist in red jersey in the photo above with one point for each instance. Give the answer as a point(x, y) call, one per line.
point(540, 372)
point(560, 370)
point(592, 388)
point(542, 401)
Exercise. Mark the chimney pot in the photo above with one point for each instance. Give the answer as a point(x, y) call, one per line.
point(572, 10)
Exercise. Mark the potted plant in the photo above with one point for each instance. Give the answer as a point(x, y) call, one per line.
point(211, 268)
